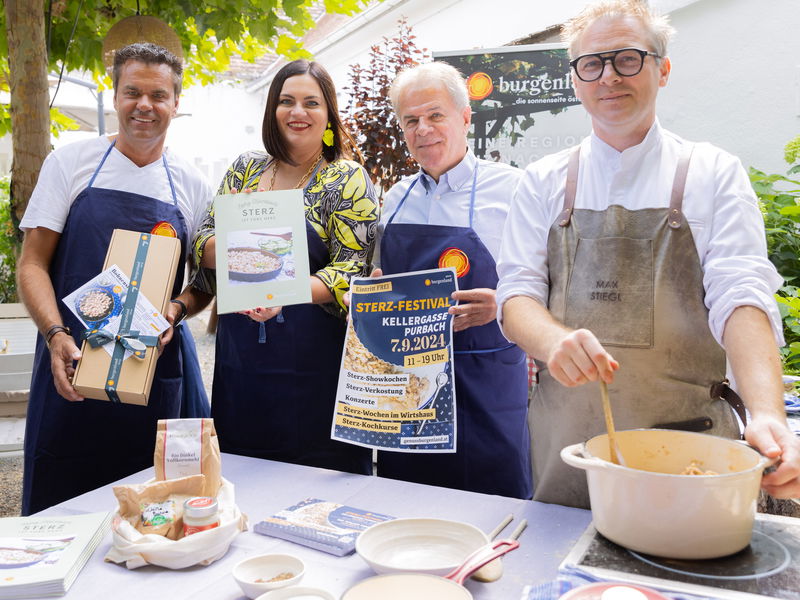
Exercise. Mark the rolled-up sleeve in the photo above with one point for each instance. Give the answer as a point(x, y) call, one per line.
point(522, 268)
point(736, 270)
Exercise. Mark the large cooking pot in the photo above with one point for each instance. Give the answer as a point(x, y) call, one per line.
point(648, 506)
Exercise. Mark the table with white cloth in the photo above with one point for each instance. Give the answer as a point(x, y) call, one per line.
point(264, 487)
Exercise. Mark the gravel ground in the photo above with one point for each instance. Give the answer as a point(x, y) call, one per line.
point(11, 463)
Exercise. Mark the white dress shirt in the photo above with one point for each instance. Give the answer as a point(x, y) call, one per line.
point(719, 205)
point(447, 202)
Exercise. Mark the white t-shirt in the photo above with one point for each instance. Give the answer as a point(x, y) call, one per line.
point(719, 205)
point(66, 172)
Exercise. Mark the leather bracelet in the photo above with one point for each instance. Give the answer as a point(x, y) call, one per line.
point(181, 316)
point(54, 330)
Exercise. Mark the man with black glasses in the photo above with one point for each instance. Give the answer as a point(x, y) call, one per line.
point(639, 259)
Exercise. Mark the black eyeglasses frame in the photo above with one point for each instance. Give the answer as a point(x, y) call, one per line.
point(604, 58)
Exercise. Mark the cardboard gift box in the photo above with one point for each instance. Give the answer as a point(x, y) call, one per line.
point(132, 385)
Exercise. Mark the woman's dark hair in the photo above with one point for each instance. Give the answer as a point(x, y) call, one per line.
point(344, 146)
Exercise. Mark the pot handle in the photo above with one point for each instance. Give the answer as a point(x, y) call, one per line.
point(481, 556)
point(573, 456)
point(769, 464)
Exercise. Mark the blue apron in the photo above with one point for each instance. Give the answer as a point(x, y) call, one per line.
point(75, 447)
point(275, 383)
point(493, 448)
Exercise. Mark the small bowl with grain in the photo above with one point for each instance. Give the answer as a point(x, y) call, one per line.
point(259, 574)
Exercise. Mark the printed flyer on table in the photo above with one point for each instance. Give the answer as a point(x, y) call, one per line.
point(396, 387)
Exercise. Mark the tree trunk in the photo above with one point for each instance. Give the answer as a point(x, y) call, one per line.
point(30, 98)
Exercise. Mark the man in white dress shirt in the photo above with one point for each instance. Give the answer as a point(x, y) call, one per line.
point(639, 259)
point(452, 213)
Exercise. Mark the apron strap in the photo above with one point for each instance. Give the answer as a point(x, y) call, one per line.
point(722, 390)
point(402, 200)
point(169, 176)
point(678, 186)
point(103, 160)
point(571, 188)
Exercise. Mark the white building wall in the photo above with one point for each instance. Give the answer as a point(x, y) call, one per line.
point(736, 78)
point(736, 63)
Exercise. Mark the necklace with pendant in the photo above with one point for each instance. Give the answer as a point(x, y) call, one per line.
point(302, 179)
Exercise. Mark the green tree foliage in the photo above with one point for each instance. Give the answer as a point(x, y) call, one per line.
point(210, 32)
point(779, 197)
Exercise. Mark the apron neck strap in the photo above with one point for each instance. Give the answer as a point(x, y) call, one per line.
point(572, 186)
point(471, 196)
point(163, 160)
point(678, 187)
point(403, 200)
point(102, 161)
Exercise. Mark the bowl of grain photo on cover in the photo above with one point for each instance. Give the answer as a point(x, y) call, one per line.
point(257, 256)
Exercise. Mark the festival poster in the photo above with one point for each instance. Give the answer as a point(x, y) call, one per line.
point(396, 390)
point(523, 104)
point(262, 252)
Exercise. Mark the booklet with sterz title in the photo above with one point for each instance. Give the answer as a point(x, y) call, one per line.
point(396, 389)
point(320, 524)
point(42, 556)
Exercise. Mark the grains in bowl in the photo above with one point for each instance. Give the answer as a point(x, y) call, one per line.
point(95, 304)
point(243, 260)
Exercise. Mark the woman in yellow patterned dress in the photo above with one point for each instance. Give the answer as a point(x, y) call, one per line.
point(276, 369)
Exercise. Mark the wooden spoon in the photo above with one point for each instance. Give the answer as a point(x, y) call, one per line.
point(614, 452)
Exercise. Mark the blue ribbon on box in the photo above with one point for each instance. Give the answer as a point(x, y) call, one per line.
point(125, 339)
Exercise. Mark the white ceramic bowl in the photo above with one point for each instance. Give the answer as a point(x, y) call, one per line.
point(434, 546)
point(265, 567)
point(301, 593)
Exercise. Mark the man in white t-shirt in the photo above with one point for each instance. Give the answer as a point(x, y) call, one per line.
point(645, 246)
point(84, 192)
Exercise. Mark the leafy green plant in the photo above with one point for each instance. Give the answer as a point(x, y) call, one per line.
point(8, 247)
point(779, 197)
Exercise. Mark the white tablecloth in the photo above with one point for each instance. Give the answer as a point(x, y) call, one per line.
point(265, 487)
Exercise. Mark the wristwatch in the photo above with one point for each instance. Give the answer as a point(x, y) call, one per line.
point(182, 314)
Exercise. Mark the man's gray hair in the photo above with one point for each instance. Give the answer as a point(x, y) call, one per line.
point(149, 54)
point(433, 74)
point(657, 26)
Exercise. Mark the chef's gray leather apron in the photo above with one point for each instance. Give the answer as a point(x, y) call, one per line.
point(634, 279)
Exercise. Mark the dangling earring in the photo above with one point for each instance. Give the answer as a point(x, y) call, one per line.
point(327, 137)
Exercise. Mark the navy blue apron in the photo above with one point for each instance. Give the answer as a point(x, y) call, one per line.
point(75, 447)
point(493, 448)
point(194, 400)
point(274, 387)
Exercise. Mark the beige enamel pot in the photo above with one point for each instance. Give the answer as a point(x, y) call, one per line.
point(648, 506)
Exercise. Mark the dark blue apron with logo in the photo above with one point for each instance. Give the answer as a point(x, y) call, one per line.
point(75, 447)
point(493, 447)
point(275, 383)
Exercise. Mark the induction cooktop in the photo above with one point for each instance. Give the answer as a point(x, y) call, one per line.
point(768, 568)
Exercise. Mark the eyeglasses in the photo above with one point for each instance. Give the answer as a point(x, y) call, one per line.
point(627, 62)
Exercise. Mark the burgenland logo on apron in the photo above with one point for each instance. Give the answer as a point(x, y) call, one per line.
point(164, 228)
point(456, 258)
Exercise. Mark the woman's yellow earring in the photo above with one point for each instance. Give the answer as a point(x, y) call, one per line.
point(327, 137)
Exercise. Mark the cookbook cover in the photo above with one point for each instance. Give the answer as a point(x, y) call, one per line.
point(319, 524)
point(396, 388)
point(42, 556)
point(262, 251)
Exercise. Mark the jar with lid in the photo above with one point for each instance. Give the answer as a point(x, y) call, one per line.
point(199, 514)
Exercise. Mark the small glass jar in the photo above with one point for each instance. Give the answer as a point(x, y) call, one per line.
point(199, 514)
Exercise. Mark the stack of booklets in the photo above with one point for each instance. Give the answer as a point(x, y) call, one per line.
point(326, 526)
point(42, 556)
